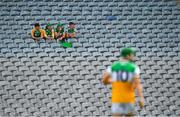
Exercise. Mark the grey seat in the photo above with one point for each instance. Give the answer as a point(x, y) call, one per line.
point(55, 45)
point(49, 50)
point(27, 50)
point(34, 45)
point(5, 50)
point(41, 64)
point(29, 41)
point(9, 55)
point(20, 55)
point(42, 76)
point(34, 68)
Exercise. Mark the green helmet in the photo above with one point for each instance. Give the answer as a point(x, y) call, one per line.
point(48, 24)
point(59, 25)
point(127, 51)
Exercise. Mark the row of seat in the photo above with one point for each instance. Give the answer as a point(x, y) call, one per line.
point(44, 79)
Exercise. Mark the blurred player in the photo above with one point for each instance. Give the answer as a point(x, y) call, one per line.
point(49, 32)
point(71, 32)
point(59, 32)
point(37, 33)
point(124, 75)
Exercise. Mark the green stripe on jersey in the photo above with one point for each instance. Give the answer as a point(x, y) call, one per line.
point(123, 66)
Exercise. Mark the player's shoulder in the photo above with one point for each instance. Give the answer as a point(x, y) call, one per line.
point(116, 63)
point(42, 29)
point(133, 64)
point(33, 29)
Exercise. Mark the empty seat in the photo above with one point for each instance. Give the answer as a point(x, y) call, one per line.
point(38, 78)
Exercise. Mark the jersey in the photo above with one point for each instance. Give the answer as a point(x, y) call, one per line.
point(60, 31)
point(122, 74)
point(49, 33)
point(71, 30)
point(37, 33)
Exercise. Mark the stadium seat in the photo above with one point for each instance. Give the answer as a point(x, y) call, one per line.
point(54, 45)
point(37, 79)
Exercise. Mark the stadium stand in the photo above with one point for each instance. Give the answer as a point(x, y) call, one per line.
point(48, 80)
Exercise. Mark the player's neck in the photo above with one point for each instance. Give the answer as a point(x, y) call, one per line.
point(123, 59)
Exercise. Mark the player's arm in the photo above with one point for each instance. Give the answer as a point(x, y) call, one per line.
point(74, 34)
point(53, 34)
point(106, 78)
point(63, 35)
point(43, 34)
point(32, 33)
point(138, 86)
